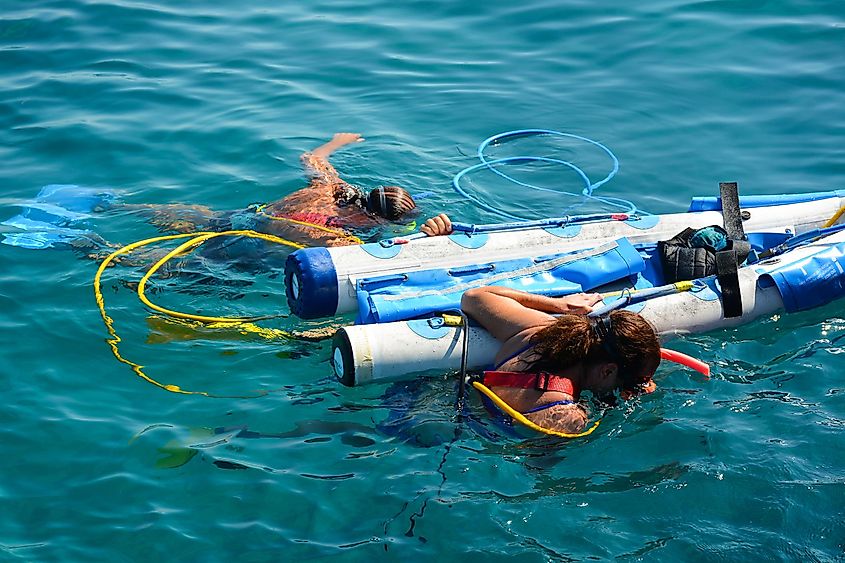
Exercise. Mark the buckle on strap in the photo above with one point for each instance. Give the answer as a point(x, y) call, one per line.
point(542, 382)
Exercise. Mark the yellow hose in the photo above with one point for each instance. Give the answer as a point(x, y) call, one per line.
point(109, 322)
point(243, 323)
point(198, 239)
point(520, 418)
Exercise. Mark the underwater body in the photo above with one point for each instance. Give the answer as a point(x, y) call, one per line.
point(212, 105)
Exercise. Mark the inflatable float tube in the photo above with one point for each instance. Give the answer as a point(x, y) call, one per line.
point(323, 282)
point(802, 278)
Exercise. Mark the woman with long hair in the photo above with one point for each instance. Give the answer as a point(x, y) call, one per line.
point(552, 351)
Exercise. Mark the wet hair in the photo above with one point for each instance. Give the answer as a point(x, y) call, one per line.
point(390, 202)
point(623, 338)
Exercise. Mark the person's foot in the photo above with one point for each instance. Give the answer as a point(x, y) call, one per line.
point(90, 241)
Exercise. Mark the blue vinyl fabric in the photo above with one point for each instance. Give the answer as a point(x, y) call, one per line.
point(813, 281)
point(411, 295)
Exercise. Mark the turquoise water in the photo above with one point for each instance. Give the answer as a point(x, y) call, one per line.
point(212, 103)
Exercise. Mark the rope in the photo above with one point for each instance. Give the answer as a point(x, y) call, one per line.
point(197, 240)
point(457, 317)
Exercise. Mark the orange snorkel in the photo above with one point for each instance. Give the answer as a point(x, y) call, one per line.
point(672, 356)
point(684, 360)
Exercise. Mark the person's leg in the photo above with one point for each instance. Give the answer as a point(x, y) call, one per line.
point(94, 247)
point(178, 217)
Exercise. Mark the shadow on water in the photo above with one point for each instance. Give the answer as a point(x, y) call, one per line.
point(183, 444)
point(598, 482)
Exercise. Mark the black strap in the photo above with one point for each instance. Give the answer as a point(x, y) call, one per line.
point(727, 261)
point(727, 274)
point(731, 215)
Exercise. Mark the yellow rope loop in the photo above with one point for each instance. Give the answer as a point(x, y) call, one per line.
point(519, 417)
point(197, 240)
point(114, 339)
point(337, 232)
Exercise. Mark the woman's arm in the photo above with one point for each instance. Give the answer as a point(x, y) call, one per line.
point(324, 176)
point(506, 312)
point(339, 140)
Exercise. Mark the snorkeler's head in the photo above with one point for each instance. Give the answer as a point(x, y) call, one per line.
point(622, 340)
point(390, 202)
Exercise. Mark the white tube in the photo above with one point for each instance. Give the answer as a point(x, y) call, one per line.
point(384, 352)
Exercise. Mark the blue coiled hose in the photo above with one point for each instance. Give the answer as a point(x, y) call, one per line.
point(493, 165)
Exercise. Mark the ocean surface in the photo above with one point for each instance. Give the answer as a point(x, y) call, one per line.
point(212, 103)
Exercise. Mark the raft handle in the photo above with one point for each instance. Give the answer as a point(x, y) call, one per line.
point(363, 284)
point(474, 269)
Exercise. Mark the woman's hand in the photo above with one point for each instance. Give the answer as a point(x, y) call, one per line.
point(341, 139)
point(578, 303)
point(438, 225)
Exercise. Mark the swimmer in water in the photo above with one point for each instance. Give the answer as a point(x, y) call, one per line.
point(545, 361)
point(327, 201)
point(326, 212)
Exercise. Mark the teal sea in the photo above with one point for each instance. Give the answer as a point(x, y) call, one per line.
point(213, 102)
